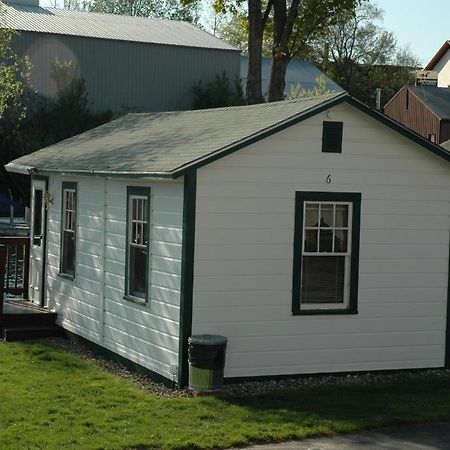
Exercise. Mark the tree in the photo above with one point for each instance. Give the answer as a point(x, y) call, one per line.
point(164, 9)
point(13, 74)
point(293, 25)
point(363, 56)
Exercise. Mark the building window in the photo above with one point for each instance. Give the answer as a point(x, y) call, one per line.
point(68, 228)
point(326, 253)
point(37, 217)
point(138, 241)
point(332, 137)
point(432, 137)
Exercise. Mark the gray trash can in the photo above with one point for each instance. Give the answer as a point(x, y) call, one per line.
point(206, 362)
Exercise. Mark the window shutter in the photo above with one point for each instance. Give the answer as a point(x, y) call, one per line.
point(332, 137)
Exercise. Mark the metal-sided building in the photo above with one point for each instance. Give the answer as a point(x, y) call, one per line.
point(313, 233)
point(128, 63)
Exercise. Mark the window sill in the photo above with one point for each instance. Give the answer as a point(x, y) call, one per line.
point(66, 276)
point(323, 312)
point(137, 300)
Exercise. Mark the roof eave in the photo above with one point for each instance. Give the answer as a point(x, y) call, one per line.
point(19, 168)
point(437, 57)
point(29, 170)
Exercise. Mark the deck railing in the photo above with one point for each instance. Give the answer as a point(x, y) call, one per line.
point(14, 262)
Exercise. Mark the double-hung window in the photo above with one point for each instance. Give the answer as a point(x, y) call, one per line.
point(138, 230)
point(68, 228)
point(326, 253)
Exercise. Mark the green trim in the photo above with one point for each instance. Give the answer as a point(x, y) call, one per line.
point(44, 241)
point(447, 333)
point(118, 359)
point(72, 185)
point(406, 132)
point(187, 275)
point(331, 131)
point(300, 198)
point(144, 192)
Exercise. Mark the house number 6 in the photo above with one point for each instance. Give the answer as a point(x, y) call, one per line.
point(328, 179)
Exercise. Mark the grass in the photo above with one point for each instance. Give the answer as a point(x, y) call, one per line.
point(50, 399)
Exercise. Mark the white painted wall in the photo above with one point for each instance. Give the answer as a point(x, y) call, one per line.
point(92, 305)
point(443, 67)
point(244, 251)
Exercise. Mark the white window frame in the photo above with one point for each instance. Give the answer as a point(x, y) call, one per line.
point(318, 253)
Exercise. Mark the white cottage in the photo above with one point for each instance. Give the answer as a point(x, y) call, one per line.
point(313, 233)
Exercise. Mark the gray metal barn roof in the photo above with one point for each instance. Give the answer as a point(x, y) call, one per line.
point(168, 144)
point(108, 26)
point(298, 72)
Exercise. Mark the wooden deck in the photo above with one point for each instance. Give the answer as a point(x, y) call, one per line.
point(22, 320)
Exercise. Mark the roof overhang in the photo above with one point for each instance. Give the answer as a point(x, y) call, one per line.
point(18, 168)
point(438, 56)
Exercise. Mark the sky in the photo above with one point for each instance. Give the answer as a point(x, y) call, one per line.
point(421, 24)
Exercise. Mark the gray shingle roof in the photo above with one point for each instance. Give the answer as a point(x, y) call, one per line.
point(108, 26)
point(437, 99)
point(164, 143)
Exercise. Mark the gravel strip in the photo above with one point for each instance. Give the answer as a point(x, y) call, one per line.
point(251, 388)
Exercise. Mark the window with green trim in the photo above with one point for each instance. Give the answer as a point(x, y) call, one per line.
point(138, 240)
point(68, 228)
point(332, 137)
point(326, 252)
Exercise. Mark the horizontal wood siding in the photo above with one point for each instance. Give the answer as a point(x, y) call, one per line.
point(416, 116)
point(92, 305)
point(127, 76)
point(244, 249)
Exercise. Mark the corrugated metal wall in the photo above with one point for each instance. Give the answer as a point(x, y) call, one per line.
point(407, 109)
point(127, 76)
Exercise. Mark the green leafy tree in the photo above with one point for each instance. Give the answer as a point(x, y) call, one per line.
point(362, 56)
point(13, 74)
point(217, 93)
point(165, 9)
point(320, 88)
point(293, 25)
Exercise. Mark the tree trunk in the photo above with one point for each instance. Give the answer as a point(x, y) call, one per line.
point(278, 77)
point(255, 39)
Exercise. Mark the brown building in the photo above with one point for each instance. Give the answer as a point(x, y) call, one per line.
point(423, 109)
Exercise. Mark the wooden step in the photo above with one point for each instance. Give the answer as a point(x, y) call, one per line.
point(22, 333)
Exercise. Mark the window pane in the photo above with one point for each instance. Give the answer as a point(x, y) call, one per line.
point(323, 279)
point(68, 252)
point(137, 271)
point(37, 219)
point(311, 241)
point(326, 215)
point(340, 241)
point(134, 209)
point(312, 215)
point(341, 216)
point(326, 241)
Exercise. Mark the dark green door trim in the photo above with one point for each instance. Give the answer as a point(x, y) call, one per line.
point(187, 274)
point(447, 334)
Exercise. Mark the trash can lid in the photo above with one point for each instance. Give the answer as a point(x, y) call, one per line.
point(208, 339)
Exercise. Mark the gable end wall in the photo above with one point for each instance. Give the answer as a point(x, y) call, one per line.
point(244, 251)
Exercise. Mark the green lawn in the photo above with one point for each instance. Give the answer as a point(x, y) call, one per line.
point(50, 399)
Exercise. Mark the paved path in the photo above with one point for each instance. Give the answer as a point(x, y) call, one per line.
point(417, 437)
